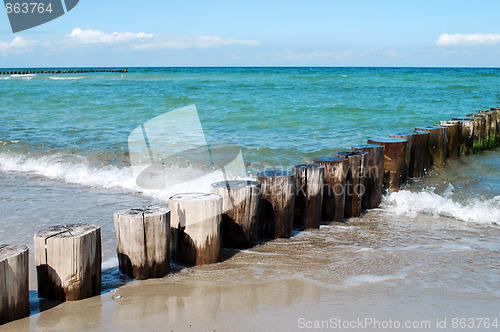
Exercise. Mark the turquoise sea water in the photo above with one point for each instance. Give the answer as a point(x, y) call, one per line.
point(64, 155)
point(277, 115)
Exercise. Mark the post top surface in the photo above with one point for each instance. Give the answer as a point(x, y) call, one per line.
point(275, 173)
point(8, 251)
point(404, 134)
point(195, 197)
point(387, 140)
point(307, 166)
point(329, 159)
point(464, 119)
point(146, 210)
point(349, 154)
point(452, 124)
point(235, 184)
point(421, 132)
point(367, 146)
point(64, 231)
point(429, 128)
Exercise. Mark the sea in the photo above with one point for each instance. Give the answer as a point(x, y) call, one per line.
point(429, 253)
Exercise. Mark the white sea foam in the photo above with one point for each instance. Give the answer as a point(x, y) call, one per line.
point(411, 204)
point(370, 279)
point(65, 78)
point(23, 76)
point(54, 167)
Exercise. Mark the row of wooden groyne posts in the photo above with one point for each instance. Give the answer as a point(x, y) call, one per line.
point(61, 71)
point(196, 226)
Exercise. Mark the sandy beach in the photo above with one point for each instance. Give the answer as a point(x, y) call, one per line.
point(372, 270)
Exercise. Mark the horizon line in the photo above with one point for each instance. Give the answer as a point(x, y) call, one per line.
point(271, 66)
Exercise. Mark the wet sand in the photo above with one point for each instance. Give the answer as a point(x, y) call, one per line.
point(371, 269)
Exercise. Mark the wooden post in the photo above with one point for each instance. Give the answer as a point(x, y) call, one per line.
point(277, 203)
point(479, 125)
point(491, 119)
point(14, 280)
point(309, 195)
point(142, 240)
point(466, 141)
point(240, 208)
point(334, 192)
point(196, 228)
point(437, 144)
point(497, 112)
point(419, 154)
point(394, 154)
point(374, 177)
point(355, 177)
point(495, 124)
point(452, 138)
point(486, 129)
point(68, 262)
point(407, 161)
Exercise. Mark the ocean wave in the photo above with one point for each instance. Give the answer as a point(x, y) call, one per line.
point(78, 171)
point(411, 204)
point(23, 76)
point(65, 78)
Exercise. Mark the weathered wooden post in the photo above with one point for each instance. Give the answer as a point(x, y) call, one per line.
point(277, 203)
point(437, 144)
point(486, 127)
point(419, 154)
point(143, 243)
point(334, 191)
point(240, 212)
point(497, 130)
point(479, 125)
point(407, 161)
point(492, 124)
point(466, 142)
point(68, 262)
point(452, 138)
point(496, 118)
point(355, 177)
point(309, 195)
point(196, 228)
point(394, 154)
point(14, 283)
point(374, 177)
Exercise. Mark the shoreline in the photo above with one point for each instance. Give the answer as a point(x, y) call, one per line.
point(370, 268)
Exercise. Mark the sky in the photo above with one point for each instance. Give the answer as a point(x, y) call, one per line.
point(165, 33)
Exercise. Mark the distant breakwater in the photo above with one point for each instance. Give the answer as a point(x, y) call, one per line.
point(61, 71)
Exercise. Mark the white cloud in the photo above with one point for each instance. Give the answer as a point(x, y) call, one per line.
point(185, 42)
point(344, 54)
point(296, 56)
point(95, 36)
point(468, 39)
point(17, 45)
point(146, 41)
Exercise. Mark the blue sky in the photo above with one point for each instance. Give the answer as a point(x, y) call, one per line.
point(261, 33)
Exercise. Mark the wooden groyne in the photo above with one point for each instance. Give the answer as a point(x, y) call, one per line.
point(68, 257)
point(61, 71)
